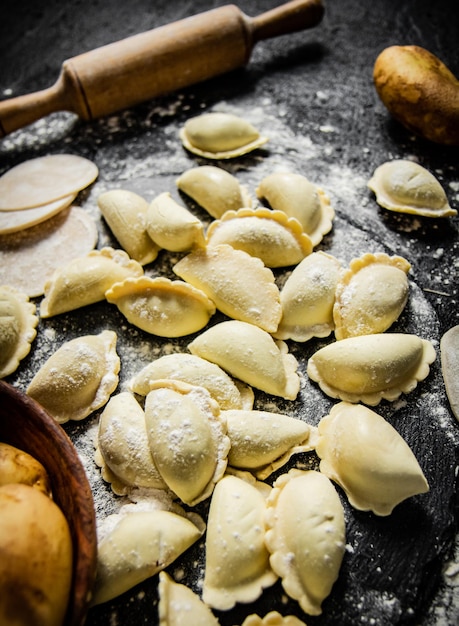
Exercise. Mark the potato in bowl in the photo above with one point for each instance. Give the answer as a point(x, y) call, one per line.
point(26, 426)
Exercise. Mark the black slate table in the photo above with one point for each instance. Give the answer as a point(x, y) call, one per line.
point(312, 94)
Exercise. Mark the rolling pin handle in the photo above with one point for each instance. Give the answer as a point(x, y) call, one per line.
point(64, 95)
point(287, 18)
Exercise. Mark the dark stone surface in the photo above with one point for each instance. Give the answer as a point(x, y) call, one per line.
point(313, 93)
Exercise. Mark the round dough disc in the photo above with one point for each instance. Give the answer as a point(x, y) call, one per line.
point(44, 179)
point(13, 221)
point(29, 257)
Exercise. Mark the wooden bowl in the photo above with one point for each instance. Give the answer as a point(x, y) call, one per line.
point(27, 426)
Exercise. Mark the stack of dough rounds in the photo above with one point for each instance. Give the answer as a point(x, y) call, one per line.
point(35, 215)
point(44, 186)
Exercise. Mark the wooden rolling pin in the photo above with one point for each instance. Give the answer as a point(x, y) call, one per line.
point(159, 61)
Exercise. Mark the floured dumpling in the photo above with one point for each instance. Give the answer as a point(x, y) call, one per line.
point(218, 135)
point(85, 280)
point(172, 226)
point(138, 545)
point(296, 196)
point(214, 189)
point(367, 457)
point(237, 561)
point(273, 618)
point(405, 186)
point(305, 536)
point(262, 442)
point(307, 298)
point(187, 438)
point(78, 378)
point(122, 449)
point(162, 307)
point(193, 370)
point(126, 215)
point(371, 295)
point(179, 605)
point(371, 367)
point(239, 284)
point(18, 322)
point(250, 354)
point(449, 351)
point(269, 235)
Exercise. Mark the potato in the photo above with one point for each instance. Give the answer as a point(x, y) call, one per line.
point(420, 92)
point(17, 466)
point(35, 558)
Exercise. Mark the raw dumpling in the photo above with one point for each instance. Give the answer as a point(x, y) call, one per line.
point(187, 438)
point(179, 605)
point(214, 189)
point(251, 355)
point(138, 545)
point(367, 457)
point(78, 378)
point(371, 295)
point(85, 280)
point(405, 186)
point(162, 307)
point(371, 367)
point(172, 226)
point(262, 442)
point(307, 298)
point(237, 561)
point(220, 136)
point(193, 370)
point(305, 536)
point(269, 235)
point(18, 322)
point(122, 448)
point(126, 214)
point(296, 196)
point(449, 350)
point(273, 618)
point(239, 284)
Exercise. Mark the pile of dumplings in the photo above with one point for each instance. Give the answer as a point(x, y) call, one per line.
point(186, 427)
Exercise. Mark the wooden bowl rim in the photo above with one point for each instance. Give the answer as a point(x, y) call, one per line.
point(71, 492)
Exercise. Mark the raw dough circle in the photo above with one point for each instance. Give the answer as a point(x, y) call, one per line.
point(44, 179)
point(28, 258)
point(13, 221)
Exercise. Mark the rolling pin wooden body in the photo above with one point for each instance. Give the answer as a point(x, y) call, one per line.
point(153, 63)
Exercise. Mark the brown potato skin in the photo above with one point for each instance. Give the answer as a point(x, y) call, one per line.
point(35, 558)
point(420, 92)
point(17, 466)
